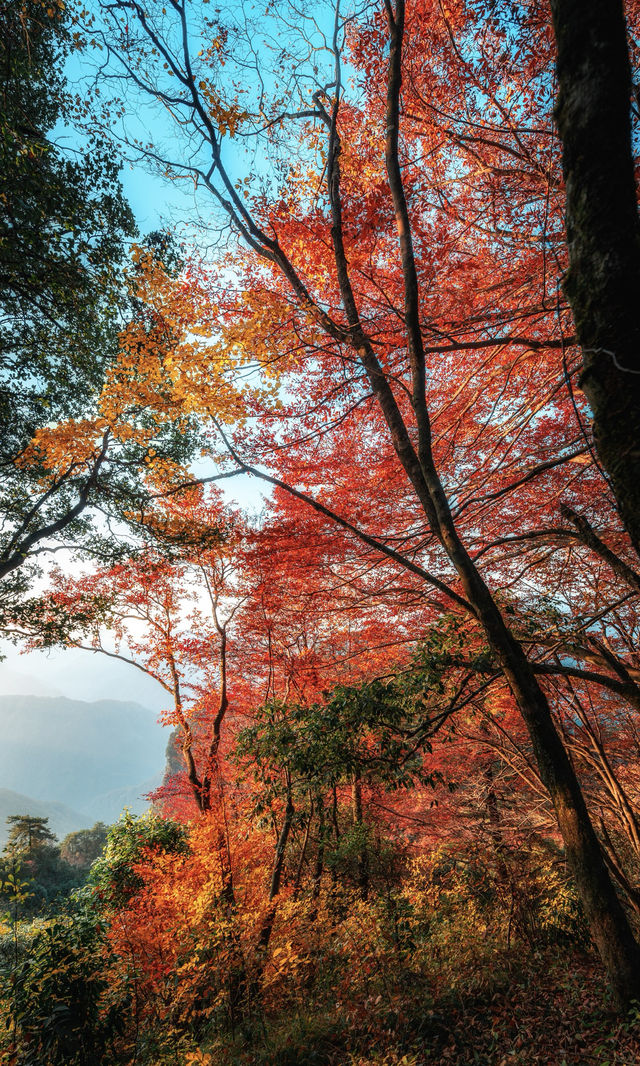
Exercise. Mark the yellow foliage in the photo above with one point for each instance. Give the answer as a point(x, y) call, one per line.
point(178, 364)
point(71, 444)
point(198, 1058)
point(181, 362)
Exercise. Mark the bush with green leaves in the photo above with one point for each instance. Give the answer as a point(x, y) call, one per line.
point(33, 850)
point(62, 1010)
point(114, 874)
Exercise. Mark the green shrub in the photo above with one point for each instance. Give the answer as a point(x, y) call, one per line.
point(61, 1008)
point(113, 874)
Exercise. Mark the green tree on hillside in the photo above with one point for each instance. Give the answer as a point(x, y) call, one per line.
point(48, 877)
point(27, 832)
point(84, 846)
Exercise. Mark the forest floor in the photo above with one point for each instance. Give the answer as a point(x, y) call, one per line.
point(546, 1015)
point(544, 1009)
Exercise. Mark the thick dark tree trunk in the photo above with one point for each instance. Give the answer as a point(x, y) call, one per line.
point(603, 231)
point(608, 922)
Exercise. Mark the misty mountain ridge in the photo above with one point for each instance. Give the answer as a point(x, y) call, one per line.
point(91, 758)
point(62, 819)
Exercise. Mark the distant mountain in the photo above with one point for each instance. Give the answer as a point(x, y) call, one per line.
point(86, 756)
point(108, 806)
point(62, 820)
point(15, 683)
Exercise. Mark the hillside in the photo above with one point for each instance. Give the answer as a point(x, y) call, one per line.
point(85, 756)
point(108, 806)
point(62, 819)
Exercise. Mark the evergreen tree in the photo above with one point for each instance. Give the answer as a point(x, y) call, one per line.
point(27, 832)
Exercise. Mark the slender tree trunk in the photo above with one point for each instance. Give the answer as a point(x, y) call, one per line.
point(336, 833)
point(519, 912)
point(212, 784)
point(363, 856)
point(616, 868)
point(495, 822)
point(595, 755)
point(603, 231)
point(319, 863)
point(303, 852)
point(266, 928)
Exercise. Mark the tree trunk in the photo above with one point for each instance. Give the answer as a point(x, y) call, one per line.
point(603, 231)
point(363, 856)
point(266, 928)
point(608, 922)
point(319, 863)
